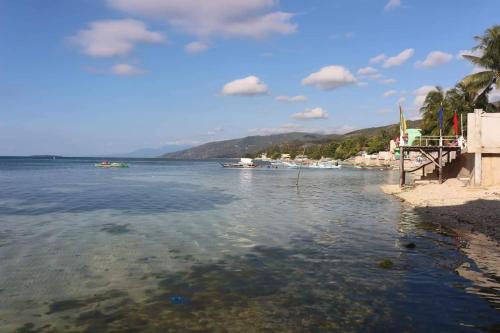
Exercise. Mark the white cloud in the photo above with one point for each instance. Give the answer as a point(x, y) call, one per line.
point(330, 77)
point(362, 84)
point(307, 114)
point(196, 47)
point(285, 128)
point(367, 71)
point(434, 59)
point(347, 35)
point(249, 86)
point(421, 94)
point(202, 18)
point(350, 34)
point(392, 4)
point(402, 100)
point(378, 59)
point(298, 98)
point(399, 59)
point(477, 69)
point(387, 81)
point(494, 95)
point(215, 131)
point(477, 53)
point(126, 70)
point(110, 38)
point(290, 127)
point(390, 93)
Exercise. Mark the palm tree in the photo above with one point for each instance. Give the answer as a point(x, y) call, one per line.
point(488, 61)
point(430, 111)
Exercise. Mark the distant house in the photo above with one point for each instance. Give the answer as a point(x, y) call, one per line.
point(263, 157)
point(285, 156)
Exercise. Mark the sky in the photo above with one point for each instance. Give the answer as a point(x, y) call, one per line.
point(97, 77)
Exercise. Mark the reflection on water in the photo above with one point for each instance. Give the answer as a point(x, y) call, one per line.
point(171, 247)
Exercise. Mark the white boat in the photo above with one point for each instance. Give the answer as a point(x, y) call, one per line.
point(107, 164)
point(323, 165)
point(329, 165)
point(291, 165)
point(244, 163)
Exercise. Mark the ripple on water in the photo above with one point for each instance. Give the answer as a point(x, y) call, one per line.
point(247, 251)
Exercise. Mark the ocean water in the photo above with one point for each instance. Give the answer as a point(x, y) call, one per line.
point(175, 246)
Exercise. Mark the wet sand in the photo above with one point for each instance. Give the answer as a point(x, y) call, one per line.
point(456, 206)
point(472, 214)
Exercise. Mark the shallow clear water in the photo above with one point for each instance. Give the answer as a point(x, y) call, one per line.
point(188, 246)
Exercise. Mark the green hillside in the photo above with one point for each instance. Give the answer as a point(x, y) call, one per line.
point(316, 145)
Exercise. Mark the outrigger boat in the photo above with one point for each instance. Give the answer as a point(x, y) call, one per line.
point(244, 163)
point(107, 164)
point(325, 165)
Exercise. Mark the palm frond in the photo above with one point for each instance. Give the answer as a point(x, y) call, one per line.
point(478, 81)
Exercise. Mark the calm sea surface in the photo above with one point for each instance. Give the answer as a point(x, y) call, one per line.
point(190, 247)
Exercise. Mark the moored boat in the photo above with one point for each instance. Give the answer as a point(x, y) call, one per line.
point(328, 165)
point(244, 163)
point(107, 164)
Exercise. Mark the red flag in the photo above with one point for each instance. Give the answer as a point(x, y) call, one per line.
point(455, 123)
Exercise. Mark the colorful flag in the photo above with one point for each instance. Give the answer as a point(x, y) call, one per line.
point(402, 122)
point(455, 123)
point(441, 111)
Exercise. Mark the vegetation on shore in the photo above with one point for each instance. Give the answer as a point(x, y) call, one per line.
point(371, 140)
point(471, 92)
point(341, 148)
point(337, 146)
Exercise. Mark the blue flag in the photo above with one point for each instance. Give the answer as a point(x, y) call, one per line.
point(441, 111)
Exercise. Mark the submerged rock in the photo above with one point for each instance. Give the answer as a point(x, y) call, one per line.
point(411, 245)
point(386, 264)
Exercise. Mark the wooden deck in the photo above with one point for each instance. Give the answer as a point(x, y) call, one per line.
point(426, 151)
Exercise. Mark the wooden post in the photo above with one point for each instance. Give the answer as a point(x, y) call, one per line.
point(477, 169)
point(440, 164)
point(401, 166)
point(478, 148)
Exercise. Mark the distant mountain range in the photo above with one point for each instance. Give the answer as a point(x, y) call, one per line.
point(252, 144)
point(152, 152)
point(239, 147)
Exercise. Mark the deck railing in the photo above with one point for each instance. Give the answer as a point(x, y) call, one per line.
point(432, 140)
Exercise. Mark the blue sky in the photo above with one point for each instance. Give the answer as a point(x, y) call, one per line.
point(108, 76)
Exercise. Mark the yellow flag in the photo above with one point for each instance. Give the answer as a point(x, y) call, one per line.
point(402, 121)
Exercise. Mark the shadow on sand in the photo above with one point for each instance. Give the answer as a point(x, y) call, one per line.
point(481, 216)
point(475, 226)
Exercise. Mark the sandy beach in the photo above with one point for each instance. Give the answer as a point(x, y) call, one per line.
point(455, 205)
point(472, 213)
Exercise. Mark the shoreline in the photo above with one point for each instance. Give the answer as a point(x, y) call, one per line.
point(472, 214)
point(455, 206)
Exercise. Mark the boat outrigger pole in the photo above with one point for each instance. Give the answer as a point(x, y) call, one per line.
point(300, 166)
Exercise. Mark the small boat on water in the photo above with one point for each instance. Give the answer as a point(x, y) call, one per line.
point(291, 165)
point(324, 165)
point(244, 163)
point(107, 164)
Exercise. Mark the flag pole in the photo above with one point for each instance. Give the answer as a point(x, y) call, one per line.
point(401, 126)
point(462, 124)
point(441, 111)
